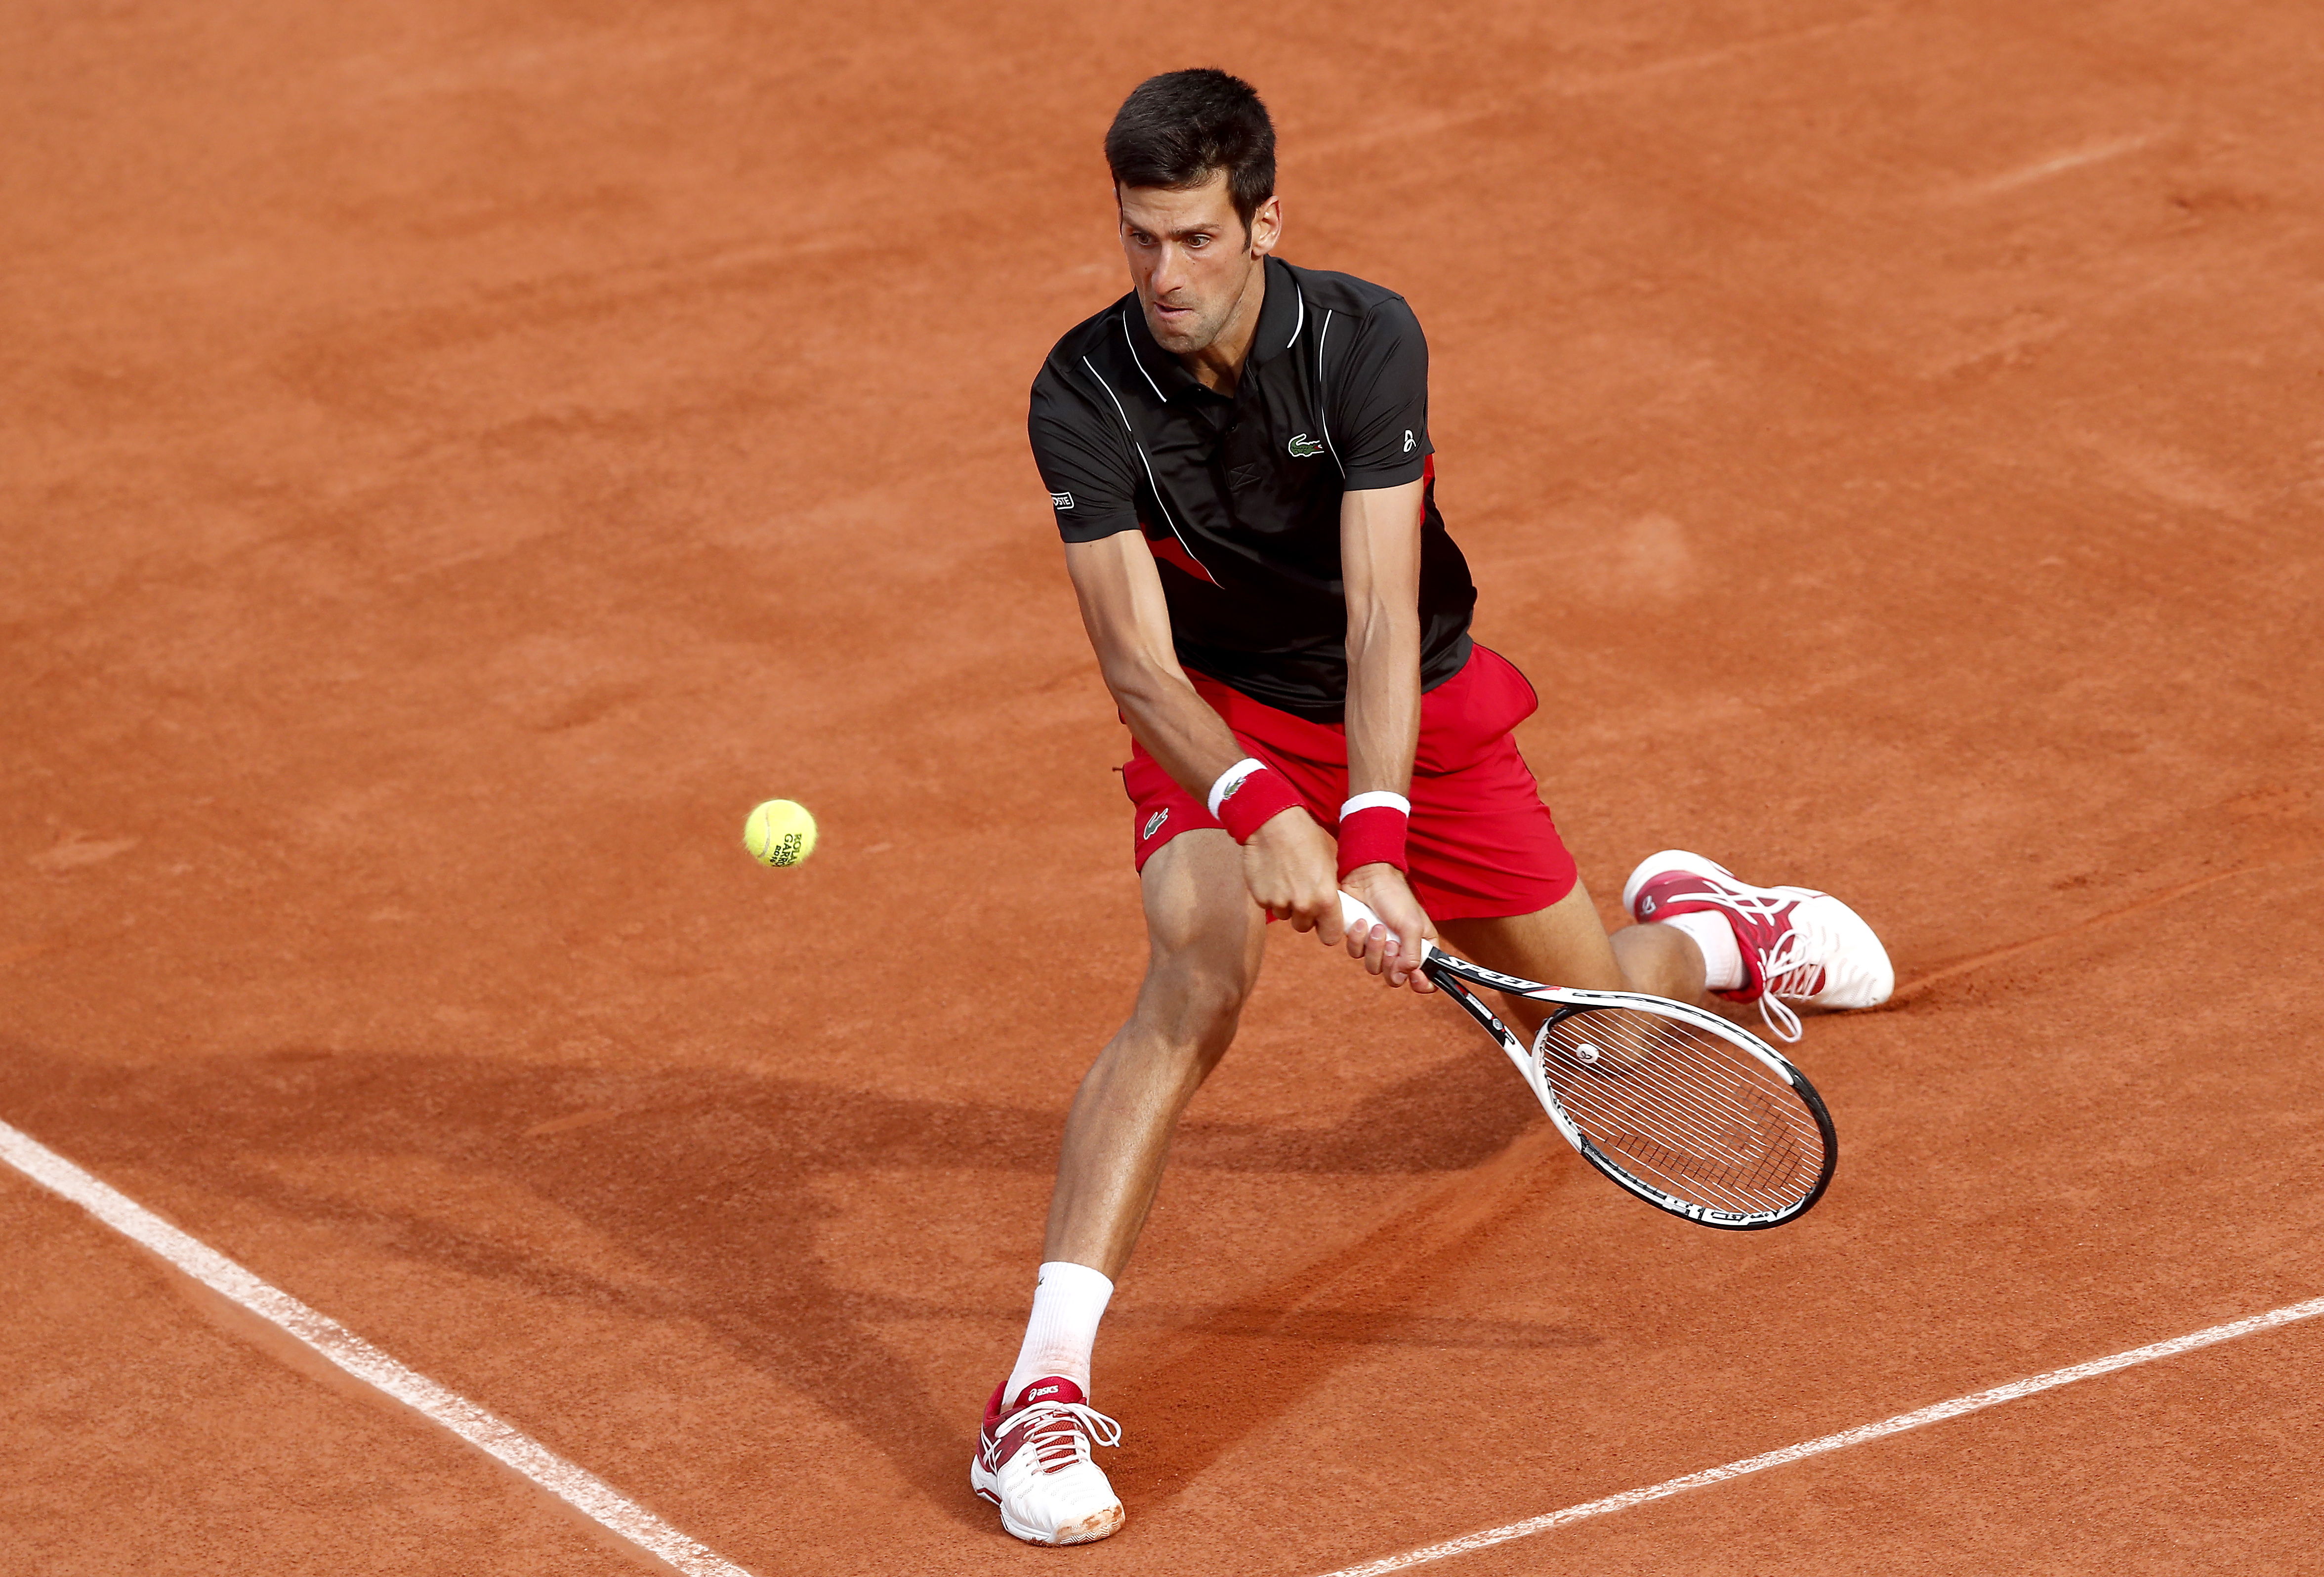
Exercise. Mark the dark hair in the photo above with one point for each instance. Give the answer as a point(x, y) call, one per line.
point(1178, 129)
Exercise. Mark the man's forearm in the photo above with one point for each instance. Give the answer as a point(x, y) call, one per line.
point(1128, 623)
point(1383, 717)
point(1175, 723)
point(1380, 558)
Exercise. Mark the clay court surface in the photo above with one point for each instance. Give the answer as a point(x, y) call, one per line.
point(459, 458)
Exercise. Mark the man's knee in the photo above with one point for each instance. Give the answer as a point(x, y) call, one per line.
point(1205, 938)
point(1192, 1003)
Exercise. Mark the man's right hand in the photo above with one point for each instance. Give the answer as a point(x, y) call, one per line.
point(1292, 868)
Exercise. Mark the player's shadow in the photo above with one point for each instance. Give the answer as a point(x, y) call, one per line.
point(720, 1186)
point(1236, 1369)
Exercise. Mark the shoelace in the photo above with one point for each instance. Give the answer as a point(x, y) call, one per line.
point(1788, 969)
point(1061, 1433)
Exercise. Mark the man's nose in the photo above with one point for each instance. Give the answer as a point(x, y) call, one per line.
point(1169, 268)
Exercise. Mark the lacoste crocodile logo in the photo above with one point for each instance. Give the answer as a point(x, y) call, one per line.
point(1303, 448)
point(1154, 823)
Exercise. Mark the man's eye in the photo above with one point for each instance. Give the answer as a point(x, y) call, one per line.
point(1193, 241)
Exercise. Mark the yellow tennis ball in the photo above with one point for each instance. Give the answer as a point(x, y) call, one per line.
point(780, 832)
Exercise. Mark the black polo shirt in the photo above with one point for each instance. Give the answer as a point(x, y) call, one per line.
point(1239, 496)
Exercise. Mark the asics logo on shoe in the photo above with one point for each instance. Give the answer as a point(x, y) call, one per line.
point(1035, 1393)
point(1645, 908)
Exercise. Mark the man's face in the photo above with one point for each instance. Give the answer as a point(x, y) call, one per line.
point(1189, 258)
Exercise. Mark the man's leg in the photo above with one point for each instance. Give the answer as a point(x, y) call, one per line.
point(1709, 932)
point(1204, 937)
point(1566, 945)
point(1205, 940)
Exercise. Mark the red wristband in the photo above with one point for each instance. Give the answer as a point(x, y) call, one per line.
point(1373, 835)
point(1258, 798)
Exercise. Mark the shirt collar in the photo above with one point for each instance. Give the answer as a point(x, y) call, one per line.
point(1282, 316)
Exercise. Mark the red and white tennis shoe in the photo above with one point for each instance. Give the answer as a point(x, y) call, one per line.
point(1033, 1462)
point(1798, 944)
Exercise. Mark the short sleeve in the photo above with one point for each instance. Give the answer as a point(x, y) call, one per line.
point(1084, 462)
point(1378, 397)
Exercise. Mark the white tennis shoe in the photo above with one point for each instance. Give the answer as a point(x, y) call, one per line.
point(1033, 1462)
point(1798, 944)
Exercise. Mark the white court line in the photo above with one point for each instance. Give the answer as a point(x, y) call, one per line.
point(576, 1486)
point(1845, 1437)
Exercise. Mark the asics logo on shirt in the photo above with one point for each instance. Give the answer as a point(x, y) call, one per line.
point(1065, 500)
point(1410, 443)
point(1303, 448)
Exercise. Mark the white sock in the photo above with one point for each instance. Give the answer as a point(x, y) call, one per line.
point(1722, 960)
point(1067, 1304)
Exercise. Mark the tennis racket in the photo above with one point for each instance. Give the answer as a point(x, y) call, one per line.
point(1693, 1114)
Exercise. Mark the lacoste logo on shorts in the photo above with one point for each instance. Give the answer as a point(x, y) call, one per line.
point(1154, 824)
point(1065, 500)
point(1410, 443)
point(1303, 448)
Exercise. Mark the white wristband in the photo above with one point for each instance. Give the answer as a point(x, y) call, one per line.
point(1379, 798)
point(1233, 775)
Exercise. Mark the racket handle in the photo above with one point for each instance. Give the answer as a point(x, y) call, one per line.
point(1354, 911)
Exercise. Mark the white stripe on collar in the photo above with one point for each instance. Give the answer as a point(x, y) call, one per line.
point(1151, 384)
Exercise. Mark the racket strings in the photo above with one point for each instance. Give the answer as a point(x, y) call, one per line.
point(1699, 1095)
point(1699, 1116)
point(1717, 1171)
point(1748, 1148)
point(1752, 1176)
point(1694, 1091)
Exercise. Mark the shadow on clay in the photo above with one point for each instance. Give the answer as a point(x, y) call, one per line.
point(709, 1179)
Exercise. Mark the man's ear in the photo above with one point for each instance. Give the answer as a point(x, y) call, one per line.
point(1266, 228)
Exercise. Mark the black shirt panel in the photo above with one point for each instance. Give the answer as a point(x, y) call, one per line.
point(1239, 496)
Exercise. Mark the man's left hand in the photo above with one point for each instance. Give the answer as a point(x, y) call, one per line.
point(1392, 949)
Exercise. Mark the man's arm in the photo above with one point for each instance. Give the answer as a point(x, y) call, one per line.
point(1379, 569)
point(1289, 863)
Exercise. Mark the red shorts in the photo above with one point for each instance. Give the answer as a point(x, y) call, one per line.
point(1480, 842)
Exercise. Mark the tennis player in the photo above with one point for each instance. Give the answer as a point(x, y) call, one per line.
point(1237, 454)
